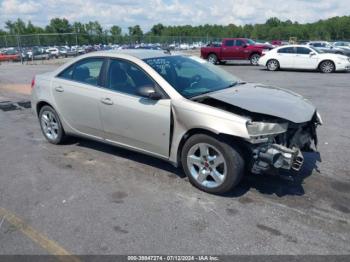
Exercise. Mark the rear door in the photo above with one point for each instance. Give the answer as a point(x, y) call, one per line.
point(129, 119)
point(303, 59)
point(285, 57)
point(228, 49)
point(76, 93)
point(240, 49)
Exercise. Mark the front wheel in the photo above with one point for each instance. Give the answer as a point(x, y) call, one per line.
point(254, 59)
point(327, 67)
point(212, 165)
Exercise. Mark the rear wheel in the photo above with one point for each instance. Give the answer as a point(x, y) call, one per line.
point(254, 59)
point(327, 67)
point(211, 165)
point(51, 125)
point(272, 65)
point(213, 59)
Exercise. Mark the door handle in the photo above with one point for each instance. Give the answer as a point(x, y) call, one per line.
point(107, 101)
point(59, 89)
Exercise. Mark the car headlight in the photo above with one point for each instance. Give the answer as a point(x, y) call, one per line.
point(265, 129)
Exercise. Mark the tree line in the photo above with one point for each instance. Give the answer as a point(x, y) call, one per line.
point(334, 28)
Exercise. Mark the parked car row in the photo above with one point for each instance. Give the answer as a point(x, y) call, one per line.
point(315, 55)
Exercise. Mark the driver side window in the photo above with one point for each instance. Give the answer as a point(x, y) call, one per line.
point(125, 77)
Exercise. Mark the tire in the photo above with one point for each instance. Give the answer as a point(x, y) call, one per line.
point(51, 126)
point(272, 65)
point(221, 165)
point(213, 59)
point(254, 59)
point(327, 67)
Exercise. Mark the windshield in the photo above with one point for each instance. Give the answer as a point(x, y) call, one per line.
point(191, 76)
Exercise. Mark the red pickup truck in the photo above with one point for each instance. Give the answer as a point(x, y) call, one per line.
point(234, 49)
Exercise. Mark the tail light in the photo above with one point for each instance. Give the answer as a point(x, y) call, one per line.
point(33, 82)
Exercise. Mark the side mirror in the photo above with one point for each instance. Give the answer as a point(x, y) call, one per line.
point(244, 45)
point(312, 53)
point(148, 92)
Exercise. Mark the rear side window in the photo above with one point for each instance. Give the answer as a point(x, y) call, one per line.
point(229, 42)
point(88, 71)
point(303, 50)
point(286, 50)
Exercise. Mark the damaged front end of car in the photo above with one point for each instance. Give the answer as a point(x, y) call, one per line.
point(278, 144)
point(280, 124)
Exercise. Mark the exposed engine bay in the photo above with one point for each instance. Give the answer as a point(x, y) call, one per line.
point(275, 143)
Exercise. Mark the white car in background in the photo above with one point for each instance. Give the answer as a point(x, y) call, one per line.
point(303, 57)
point(53, 51)
point(342, 44)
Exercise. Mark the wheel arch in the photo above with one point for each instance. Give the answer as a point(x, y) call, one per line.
point(213, 53)
point(254, 53)
point(272, 59)
point(41, 104)
point(230, 139)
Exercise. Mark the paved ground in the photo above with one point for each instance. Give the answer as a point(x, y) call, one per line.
point(89, 198)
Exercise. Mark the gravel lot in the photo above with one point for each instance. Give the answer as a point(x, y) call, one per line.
point(91, 198)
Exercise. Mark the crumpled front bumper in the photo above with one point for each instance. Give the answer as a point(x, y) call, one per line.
point(275, 156)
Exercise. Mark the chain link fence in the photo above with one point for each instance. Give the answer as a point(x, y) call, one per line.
point(73, 39)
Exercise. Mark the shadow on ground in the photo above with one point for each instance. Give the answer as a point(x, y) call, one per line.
point(283, 184)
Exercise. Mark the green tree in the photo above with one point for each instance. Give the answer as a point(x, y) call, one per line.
point(116, 33)
point(136, 33)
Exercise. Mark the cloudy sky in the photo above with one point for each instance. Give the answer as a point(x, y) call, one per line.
point(148, 12)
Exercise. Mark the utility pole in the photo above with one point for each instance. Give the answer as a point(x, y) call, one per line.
point(76, 35)
point(19, 49)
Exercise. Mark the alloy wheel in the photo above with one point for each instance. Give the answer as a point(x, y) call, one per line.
point(272, 65)
point(255, 59)
point(212, 59)
point(327, 67)
point(50, 125)
point(207, 165)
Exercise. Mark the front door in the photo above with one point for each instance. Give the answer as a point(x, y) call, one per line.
point(303, 59)
point(129, 119)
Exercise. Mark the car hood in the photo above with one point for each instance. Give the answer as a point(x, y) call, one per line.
point(267, 100)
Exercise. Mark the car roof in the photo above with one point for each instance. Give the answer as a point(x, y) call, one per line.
point(283, 46)
point(138, 53)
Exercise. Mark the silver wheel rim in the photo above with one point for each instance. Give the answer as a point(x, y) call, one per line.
point(255, 59)
point(50, 125)
point(206, 165)
point(212, 59)
point(327, 67)
point(272, 65)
